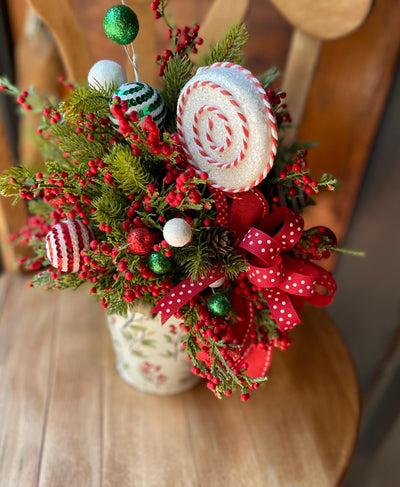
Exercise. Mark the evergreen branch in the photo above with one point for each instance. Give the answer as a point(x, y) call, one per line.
point(177, 73)
point(356, 253)
point(127, 169)
point(86, 99)
point(64, 281)
point(233, 264)
point(12, 180)
point(110, 210)
point(76, 144)
point(195, 260)
point(267, 78)
point(229, 48)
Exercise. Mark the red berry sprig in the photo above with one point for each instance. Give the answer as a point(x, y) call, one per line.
point(296, 177)
point(184, 41)
point(280, 109)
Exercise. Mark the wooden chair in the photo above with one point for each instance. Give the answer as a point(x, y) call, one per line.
point(68, 419)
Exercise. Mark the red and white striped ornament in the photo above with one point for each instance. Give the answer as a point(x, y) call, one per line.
point(64, 244)
point(226, 126)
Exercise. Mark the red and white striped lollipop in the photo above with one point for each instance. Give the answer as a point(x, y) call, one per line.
point(64, 244)
point(226, 126)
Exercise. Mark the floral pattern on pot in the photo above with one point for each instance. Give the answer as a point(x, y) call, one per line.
point(149, 356)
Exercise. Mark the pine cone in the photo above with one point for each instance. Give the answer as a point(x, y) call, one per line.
point(220, 240)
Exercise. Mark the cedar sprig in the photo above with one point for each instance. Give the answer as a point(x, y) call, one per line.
point(86, 99)
point(127, 169)
point(176, 74)
point(267, 78)
point(195, 259)
point(228, 49)
point(12, 180)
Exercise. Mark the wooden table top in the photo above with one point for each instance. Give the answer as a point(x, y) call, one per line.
point(68, 420)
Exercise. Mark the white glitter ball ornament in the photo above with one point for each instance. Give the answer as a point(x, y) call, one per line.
point(227, 127)
point(177, 232)
point(143, 99)
point(64, 244)
point(106, 73)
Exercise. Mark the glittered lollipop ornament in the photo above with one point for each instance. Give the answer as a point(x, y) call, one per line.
point(226, 126)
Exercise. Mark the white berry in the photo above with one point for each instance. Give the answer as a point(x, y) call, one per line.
point(106, 73)
point(177, 232)
point(218, 283)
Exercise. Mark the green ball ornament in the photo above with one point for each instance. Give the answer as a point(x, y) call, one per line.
point(159, 263)
point(219, 304)
point(121, 24)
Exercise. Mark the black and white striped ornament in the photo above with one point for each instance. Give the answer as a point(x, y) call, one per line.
point(64, 244)
point(143, 99)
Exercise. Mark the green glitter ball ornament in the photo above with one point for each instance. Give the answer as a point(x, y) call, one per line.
point(121, 24)
point(219, 304)
point(159, 263)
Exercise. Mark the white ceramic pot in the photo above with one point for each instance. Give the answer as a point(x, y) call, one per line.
point(149, 356)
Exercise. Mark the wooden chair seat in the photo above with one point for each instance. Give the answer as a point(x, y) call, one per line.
point(68, 419)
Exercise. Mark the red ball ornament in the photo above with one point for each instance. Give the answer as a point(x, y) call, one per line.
point(140, 241)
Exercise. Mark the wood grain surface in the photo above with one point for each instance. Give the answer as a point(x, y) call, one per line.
point(11, 217)
point(67, 418)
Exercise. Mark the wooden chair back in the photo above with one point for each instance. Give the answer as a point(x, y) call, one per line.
point(312, 21)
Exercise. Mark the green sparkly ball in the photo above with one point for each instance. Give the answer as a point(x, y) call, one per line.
point(219, 304)
point(121, 24)
point(159, 263)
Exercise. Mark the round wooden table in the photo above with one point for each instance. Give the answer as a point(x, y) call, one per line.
point(67, 419)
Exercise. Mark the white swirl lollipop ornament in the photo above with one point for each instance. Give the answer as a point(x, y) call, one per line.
point(226, 126)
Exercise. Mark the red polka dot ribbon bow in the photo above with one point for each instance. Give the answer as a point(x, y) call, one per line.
point(280, 275)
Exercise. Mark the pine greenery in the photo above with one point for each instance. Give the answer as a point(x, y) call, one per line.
point(177, 73)
point(86, 99)
point(229, 49)
point(127, 169)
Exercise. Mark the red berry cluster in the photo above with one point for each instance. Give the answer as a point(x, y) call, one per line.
point(316, 243)
point(137, 291)
point(282, 341)
point(184, 41)
point(143, 136)
point(298, 178)
point(164, 246)
point(61, 79)
point(20, 96)
point(279, 108)
point(184, 191)
point(35, 230)
point(216, 329)
point(21, 100)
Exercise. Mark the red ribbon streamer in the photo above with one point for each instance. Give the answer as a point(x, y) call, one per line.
point(182, 293)
point(256, 356)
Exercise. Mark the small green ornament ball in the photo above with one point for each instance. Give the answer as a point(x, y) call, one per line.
point(219, 304)
point(159, 263)
point(121, 24)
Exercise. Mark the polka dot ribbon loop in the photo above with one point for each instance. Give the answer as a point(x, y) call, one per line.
point(278, 274)
point(182, 293)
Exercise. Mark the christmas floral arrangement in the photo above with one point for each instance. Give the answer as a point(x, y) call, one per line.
point(184, 199)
